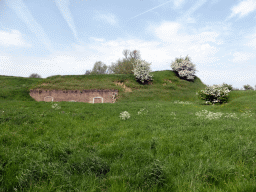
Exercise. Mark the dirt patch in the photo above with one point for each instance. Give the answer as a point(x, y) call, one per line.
point(167, 80)
point(45, 84)
point(126, 89)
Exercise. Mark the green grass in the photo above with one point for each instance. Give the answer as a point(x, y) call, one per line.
point(87, 147)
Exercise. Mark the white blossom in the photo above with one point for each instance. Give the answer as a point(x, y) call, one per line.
point(141, 70)
point(124, 115)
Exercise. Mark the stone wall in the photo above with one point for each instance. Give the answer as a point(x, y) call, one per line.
point(86, 96)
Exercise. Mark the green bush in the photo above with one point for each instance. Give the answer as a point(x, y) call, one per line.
point(248, 87)
point(230, 88)
point(35, 75)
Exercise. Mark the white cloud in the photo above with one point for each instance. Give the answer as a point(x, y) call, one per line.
point(190, 20)
point(109, 17)
point(63, 6)
point(252, 41)
point(5, 63)
point(24, 14)
point(243, 8)
point(178, 3)
point(12, 38)
point(97, 39)
point(167, 31)
point(62, 64)
point(171, 32)
point(243, 57)
point(220, 76)
point(205, 37)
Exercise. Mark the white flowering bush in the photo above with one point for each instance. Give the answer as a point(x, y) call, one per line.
point(141, 70)
point(184, 67)
point(214, 94)
point(124, 115)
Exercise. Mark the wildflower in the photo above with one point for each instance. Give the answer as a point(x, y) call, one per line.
point(124, 115)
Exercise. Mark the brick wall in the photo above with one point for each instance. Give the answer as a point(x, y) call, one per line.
point(86, 96)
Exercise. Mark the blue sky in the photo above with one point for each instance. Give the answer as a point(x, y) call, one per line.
point(66, 37)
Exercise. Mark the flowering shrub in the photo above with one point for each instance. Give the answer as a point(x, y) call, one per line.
point(141, 70)
point(184, 67)
point(124, 115)
point(214, 94)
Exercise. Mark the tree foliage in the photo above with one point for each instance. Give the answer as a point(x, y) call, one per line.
point(88, 72)
point(35, 75)
point(248, 87)
point(125, 66)
point(99, 68)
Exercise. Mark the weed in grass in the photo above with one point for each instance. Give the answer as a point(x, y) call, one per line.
point(142, 112)
point(88, 164)
point(124, 115)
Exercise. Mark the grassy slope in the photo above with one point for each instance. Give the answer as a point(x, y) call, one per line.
point(16, 88)
point(178, 89)
point(89, 148)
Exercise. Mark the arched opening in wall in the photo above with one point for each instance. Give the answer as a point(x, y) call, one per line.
point(48, 98)
point(98, 100)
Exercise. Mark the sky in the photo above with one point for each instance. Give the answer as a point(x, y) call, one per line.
point(67, 37)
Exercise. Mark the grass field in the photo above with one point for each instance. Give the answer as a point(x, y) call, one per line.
point(171, 142)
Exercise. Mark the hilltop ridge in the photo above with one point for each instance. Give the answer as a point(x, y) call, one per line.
point(166, 85)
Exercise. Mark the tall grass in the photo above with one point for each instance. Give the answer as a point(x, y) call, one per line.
point(165, 145)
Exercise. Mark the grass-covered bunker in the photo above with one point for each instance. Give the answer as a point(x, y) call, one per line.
point(86, 96)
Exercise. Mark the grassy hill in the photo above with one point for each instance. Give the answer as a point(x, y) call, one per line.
point(164, 144)
point(166, 86)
